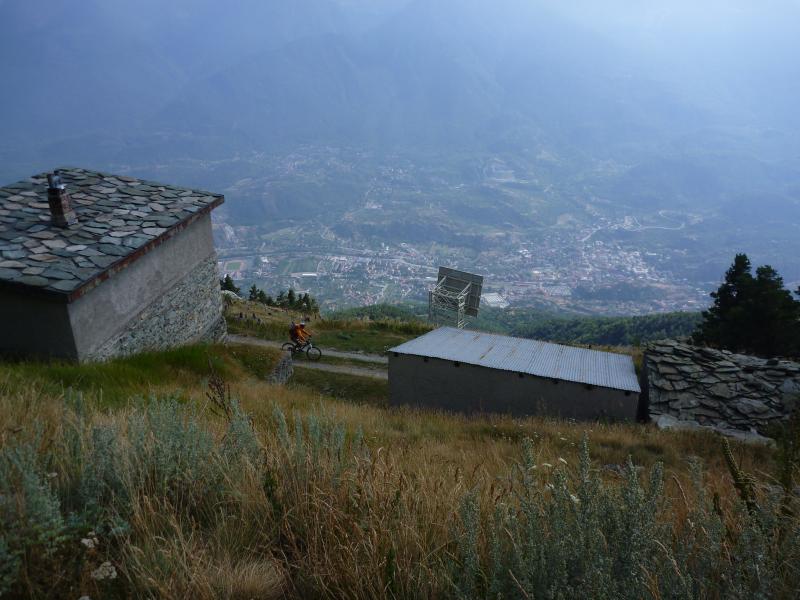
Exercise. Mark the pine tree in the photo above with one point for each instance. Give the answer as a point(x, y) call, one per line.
point(227, 284)
point(721, 322)
point(775, 323)
point(291, 300)
point(253, 295)
point(262, 297)
point(752, 314)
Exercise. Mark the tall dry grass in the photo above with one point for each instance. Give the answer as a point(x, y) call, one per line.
point(286, 494)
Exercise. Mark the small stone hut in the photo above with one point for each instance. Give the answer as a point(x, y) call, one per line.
point(691, 385)
point(94, 266)
point(470, 371)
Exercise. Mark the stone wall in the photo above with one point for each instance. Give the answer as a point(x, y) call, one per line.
point(689, 385)
point(189, 311)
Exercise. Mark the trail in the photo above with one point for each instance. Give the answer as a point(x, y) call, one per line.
point(302, 363)
point(346, 369)
point(370, 358)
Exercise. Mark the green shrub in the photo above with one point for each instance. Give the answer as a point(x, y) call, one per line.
point(171, 453)
point(570, 535)
point(32, 527)
point(100, 467)
point(163, 492)
point(240, 441)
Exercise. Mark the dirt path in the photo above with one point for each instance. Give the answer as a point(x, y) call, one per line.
point(370, 358)
point(346, 369)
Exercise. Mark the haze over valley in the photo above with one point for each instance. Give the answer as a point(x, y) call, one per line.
point(600, 162)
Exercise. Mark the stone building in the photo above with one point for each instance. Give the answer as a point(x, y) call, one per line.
point(94, 266)
point(469, 371)
point(690, 386)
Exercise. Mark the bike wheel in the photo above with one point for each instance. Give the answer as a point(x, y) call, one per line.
point(314, 353)
point(288, 347)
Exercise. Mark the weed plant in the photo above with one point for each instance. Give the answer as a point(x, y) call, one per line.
point(168, 498)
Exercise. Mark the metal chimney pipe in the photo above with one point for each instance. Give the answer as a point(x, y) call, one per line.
point(61, 212)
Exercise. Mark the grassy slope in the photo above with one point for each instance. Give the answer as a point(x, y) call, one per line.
point(361, 403)
point(436, 457)
point(115, 382)
point(341, 334)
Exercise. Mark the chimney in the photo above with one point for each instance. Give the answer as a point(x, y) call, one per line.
point(61, 212)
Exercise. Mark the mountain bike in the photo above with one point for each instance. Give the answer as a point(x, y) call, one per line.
point(307, 348)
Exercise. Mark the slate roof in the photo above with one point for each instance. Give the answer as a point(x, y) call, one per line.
point(119, 219)
point(532, 357)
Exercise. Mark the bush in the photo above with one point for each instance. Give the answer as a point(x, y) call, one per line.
point(32, 527)
point(161, 500)
point(574, 536)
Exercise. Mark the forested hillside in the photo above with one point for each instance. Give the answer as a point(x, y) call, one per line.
point(609, 331)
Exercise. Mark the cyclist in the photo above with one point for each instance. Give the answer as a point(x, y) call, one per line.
point(303, 334)
point(294, 332)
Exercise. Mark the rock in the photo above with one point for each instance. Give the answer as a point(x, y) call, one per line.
point(12, 264)
point(748, 437)
point(33, 280)
point(681, 384)
point(684, 401)
point(705, 412)
point(103, 261)
point(751, 406)
point(54, 273)
point(719, 389)
point(66, 285)
point(723, 390)
point(670, 422)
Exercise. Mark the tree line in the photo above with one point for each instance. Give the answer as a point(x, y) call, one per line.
point(285, 299)
point(536, 324)
point(610, 331)
point(752, 313)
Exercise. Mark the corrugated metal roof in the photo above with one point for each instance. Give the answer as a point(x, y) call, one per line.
point(543, 359)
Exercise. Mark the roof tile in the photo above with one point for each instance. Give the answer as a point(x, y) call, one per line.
point(117, 215)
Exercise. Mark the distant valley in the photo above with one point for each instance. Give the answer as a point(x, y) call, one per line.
point(356, 228)
point(577, 166)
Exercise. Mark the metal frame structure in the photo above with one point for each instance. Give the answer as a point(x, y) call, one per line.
point(455, 296)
